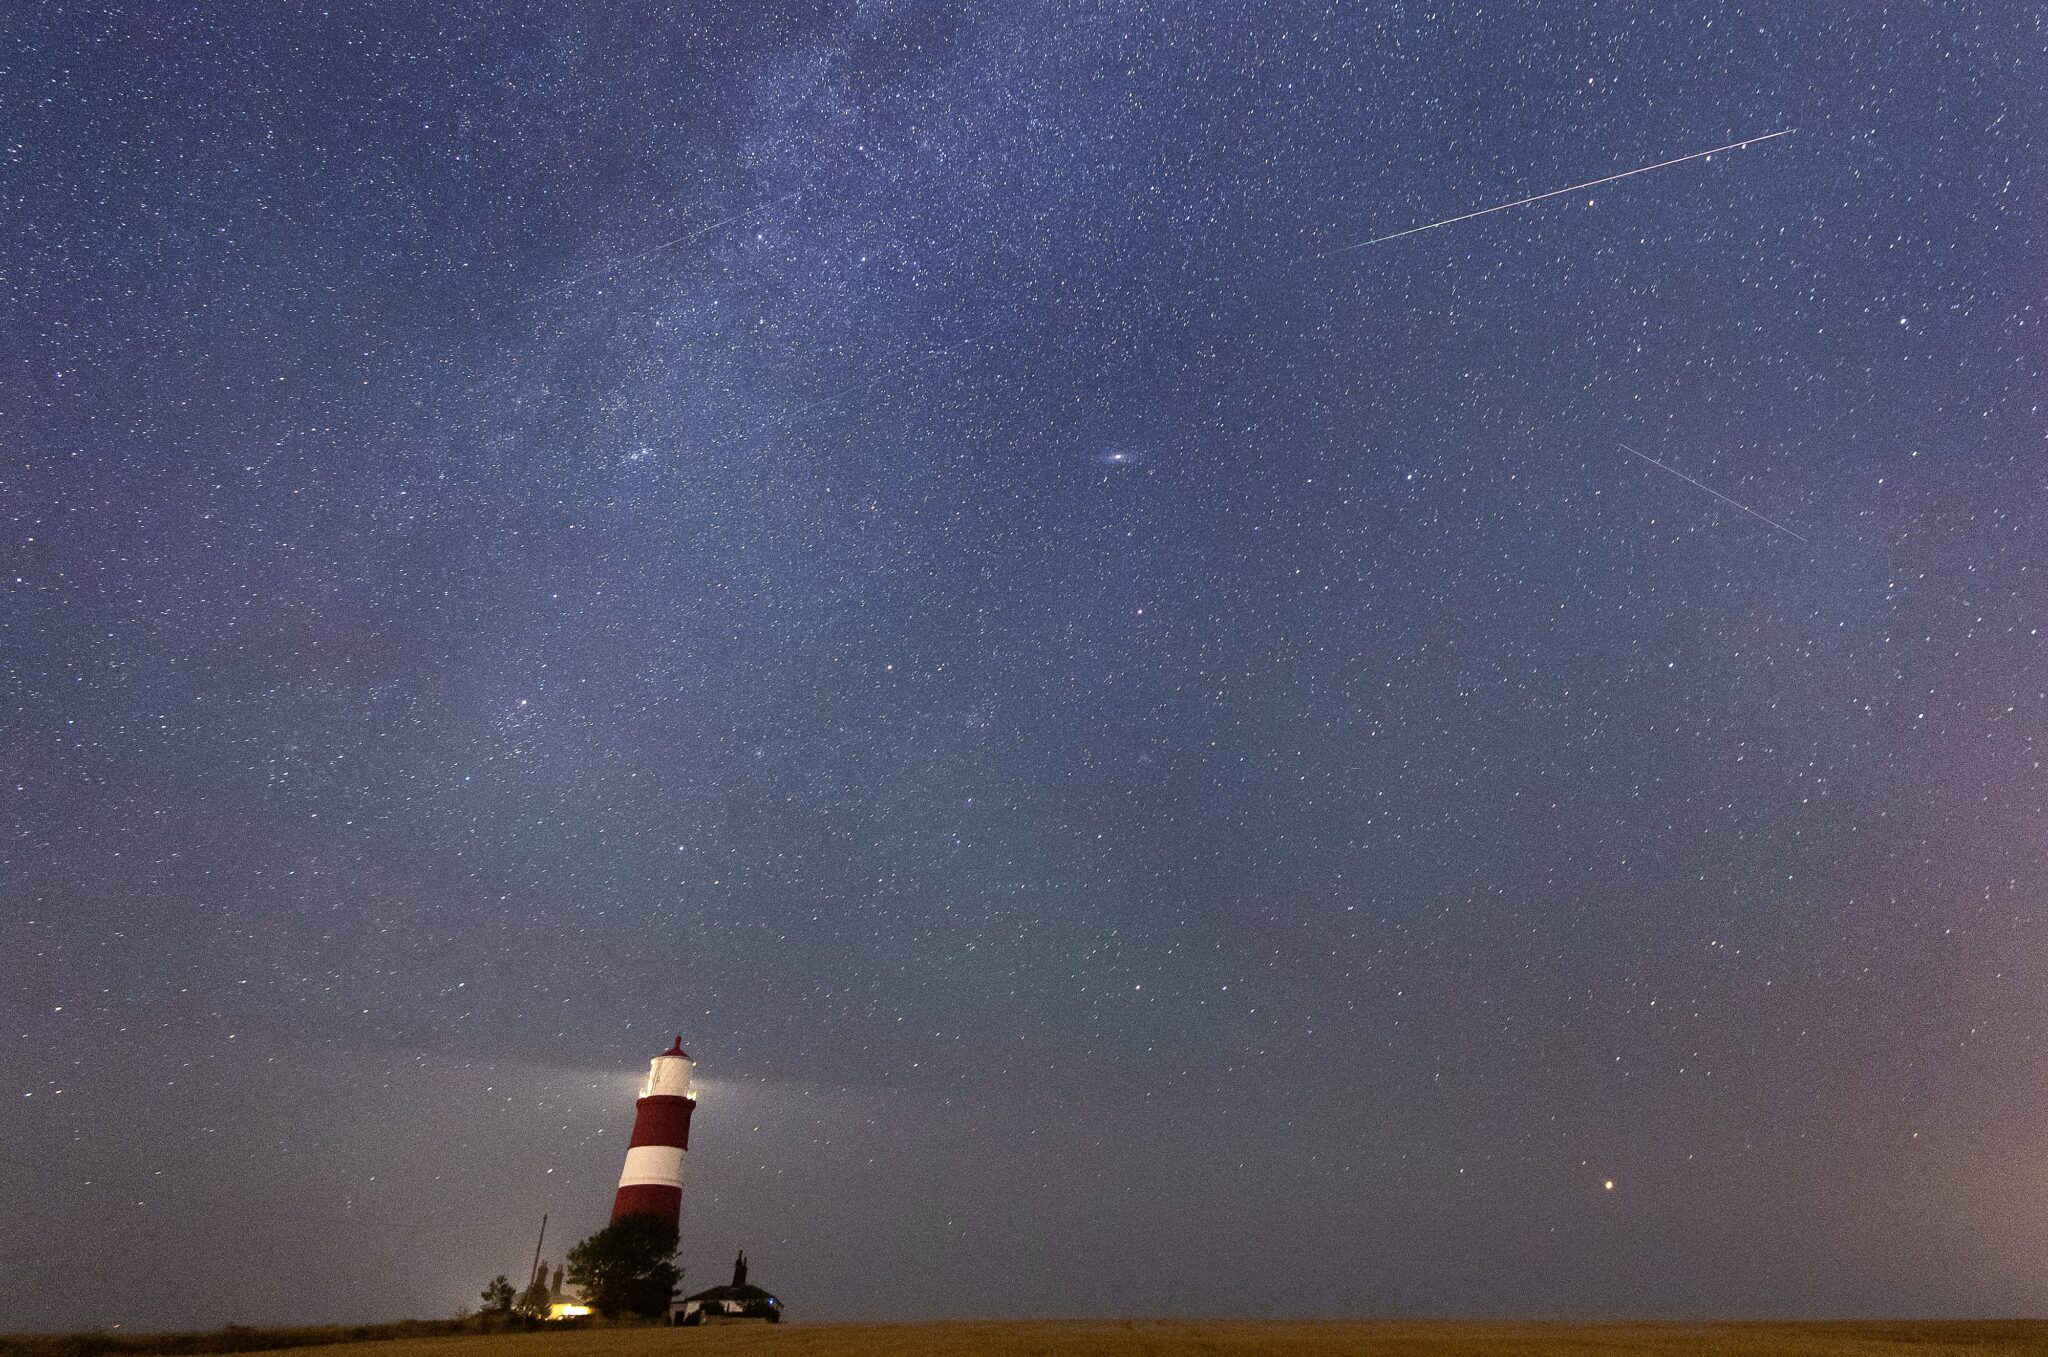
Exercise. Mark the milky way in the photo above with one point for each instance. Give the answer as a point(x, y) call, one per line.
point(1158, 768)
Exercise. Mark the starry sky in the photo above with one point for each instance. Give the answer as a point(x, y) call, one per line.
point(1161, 764)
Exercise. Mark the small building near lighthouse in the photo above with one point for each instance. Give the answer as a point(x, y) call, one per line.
point(562, 1303)
point(736, 1301)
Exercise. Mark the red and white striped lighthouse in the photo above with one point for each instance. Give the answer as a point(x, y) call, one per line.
point(652, 1184)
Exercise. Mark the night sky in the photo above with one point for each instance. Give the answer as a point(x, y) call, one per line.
point(1160, 764)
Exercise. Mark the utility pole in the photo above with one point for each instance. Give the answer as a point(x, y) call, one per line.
point(534, 1271)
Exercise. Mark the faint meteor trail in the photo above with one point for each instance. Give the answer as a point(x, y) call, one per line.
point(1712, 491)
point(1744, 144)
point(651, 251)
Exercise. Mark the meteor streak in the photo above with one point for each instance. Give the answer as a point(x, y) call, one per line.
point(1712, 491)
point(1744, 144)
point(650, 252)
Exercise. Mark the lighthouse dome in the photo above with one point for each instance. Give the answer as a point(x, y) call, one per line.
point(672, 1074)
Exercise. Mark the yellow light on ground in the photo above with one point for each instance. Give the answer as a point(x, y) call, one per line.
point(1608, 1185)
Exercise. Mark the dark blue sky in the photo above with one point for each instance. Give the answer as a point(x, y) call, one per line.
point(1160, 764)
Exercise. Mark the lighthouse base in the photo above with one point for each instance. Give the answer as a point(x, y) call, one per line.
point(648, 1199)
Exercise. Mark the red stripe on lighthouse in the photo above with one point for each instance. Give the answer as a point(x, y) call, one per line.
point(648, 1199)
point(662, 1120)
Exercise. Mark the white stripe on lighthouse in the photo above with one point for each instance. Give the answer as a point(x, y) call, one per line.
point(659, 1165)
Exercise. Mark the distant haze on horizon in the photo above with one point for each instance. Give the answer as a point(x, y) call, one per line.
point(1160, 764)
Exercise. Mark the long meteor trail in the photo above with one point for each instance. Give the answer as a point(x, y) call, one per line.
point(649, 253)
point(1744, 144)
point(1712, 491)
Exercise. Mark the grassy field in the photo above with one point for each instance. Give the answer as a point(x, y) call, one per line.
point(1174, 1338)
